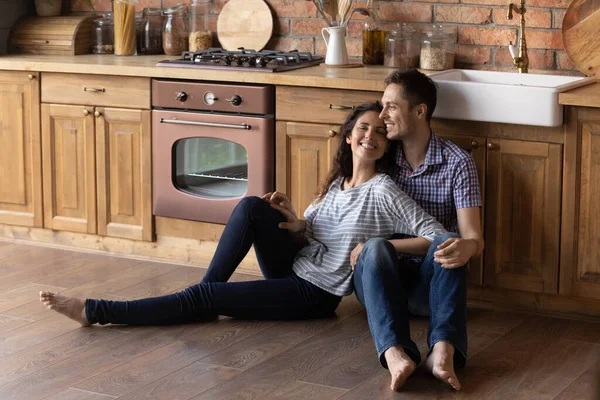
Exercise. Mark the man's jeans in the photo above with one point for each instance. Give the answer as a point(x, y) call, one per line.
point(390, 289)
point(281, 295)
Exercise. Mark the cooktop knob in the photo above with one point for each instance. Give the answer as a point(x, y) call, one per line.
point(235, 100)
point(181, 96)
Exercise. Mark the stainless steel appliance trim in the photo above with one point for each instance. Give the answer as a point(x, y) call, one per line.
point(211, 124)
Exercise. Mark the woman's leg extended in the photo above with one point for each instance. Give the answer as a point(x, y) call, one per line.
point(284, 298)
point(253, 221)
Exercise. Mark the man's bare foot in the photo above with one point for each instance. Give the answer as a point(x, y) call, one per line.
point(441, 364)
point(71, 307)
point(401, 366)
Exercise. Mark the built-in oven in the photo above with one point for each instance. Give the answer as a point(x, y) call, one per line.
point(212, 144)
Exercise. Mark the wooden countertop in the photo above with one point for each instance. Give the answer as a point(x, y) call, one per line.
point(361, 78)
point(586, 96)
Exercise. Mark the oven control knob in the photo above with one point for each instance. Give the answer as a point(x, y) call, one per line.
point(235, 100)
point(181, 96)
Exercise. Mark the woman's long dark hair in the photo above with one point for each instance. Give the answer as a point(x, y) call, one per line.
point(342, 163)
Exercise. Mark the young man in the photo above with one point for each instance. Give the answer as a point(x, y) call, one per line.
point(390, 283)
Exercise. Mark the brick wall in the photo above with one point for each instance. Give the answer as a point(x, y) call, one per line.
point(481, 28)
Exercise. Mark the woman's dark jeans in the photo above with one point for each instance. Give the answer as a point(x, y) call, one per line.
point(281, 295)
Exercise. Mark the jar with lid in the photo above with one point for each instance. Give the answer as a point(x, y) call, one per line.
point(200, 34)
point(402, 48)
point(175, 32)
point(104, 32)
point(151, 30)
point(373, 37)
point(437, 49)
point(124, 27)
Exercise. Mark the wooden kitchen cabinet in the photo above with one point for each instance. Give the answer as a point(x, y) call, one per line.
point(304, 155)
point(20, 149)
point(580, 252)
point(69, 161)
point(99, 158)
point(522, 217)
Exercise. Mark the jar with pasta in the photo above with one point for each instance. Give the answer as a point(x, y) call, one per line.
point(200, 34)
point(437, 49)
point(124, 27)
point(176, 32)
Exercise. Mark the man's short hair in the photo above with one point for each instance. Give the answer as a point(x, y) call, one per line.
point(418, 88)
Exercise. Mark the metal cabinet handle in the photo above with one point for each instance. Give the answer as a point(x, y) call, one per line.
point(332, 133)
point(474, 144)
point(98, 114)
point(86, 112)
point(94, 90)
point(31, 77)
point(338, 107)
point(492, 146)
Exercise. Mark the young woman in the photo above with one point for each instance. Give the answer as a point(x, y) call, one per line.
point(306, 263)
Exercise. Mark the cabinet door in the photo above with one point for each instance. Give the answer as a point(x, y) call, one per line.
point(123, 161)
point(20, 150)
point(476, 147)
point(580, 264)
point(304, 156)
point(523, 215)
point(68, 154)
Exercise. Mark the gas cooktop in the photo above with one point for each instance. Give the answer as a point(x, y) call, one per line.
point(244, 60)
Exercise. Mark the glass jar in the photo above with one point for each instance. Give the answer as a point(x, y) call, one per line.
point(175, 32)
point(200, 34)
point(438, 49)
point(150, 35)
point(373, 38)
point(402, 48)
point(104, 32)
point(124, 27)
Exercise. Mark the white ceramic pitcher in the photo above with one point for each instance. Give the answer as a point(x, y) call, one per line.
point(337, 54)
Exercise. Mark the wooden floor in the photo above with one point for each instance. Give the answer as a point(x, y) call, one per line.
point(46, 356)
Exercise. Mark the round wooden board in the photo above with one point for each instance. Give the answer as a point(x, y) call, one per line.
point(245, 23)
point(580, 32)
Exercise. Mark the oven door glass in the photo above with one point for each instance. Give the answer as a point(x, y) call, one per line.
point(210, 168)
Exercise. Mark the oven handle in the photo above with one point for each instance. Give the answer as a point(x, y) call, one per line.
point(211, 124)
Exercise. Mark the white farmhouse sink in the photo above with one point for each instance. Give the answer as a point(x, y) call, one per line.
point(528, 99)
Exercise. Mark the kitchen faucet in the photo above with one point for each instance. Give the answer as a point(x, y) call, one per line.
point(521, 60)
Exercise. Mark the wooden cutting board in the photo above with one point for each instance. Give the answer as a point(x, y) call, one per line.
point(581, 35)
point(245, 23)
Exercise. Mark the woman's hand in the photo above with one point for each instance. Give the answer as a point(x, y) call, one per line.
point(293, 224)
point(279, 199)
point(355, 254)
point(455, 252)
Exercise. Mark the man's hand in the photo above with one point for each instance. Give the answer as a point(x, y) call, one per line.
point(455, 252)
point(355, 254)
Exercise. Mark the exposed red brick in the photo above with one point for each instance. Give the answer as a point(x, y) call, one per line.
point(354, 47)
point(435, 1)
point(533, 18)
point(559, 16)
point(486, 36)
point(548, 3)
point(310, 26)
point(564, 62)
point(544, 39)
point(463, 14)
point(355, 29)
point(472, 55)
point(293, 8)
point(487, 2)
point(540, 59)
point(405, 12)
point(281, 26)
point(288, 44)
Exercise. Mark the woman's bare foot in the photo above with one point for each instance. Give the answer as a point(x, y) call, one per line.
point(441, 364)
point(401, 366)
point(71, 307)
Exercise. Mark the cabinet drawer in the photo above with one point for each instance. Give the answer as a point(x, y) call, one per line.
point(96, 90)
point(330, 106)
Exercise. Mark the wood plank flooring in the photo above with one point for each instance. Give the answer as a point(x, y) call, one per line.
point(46, 356)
